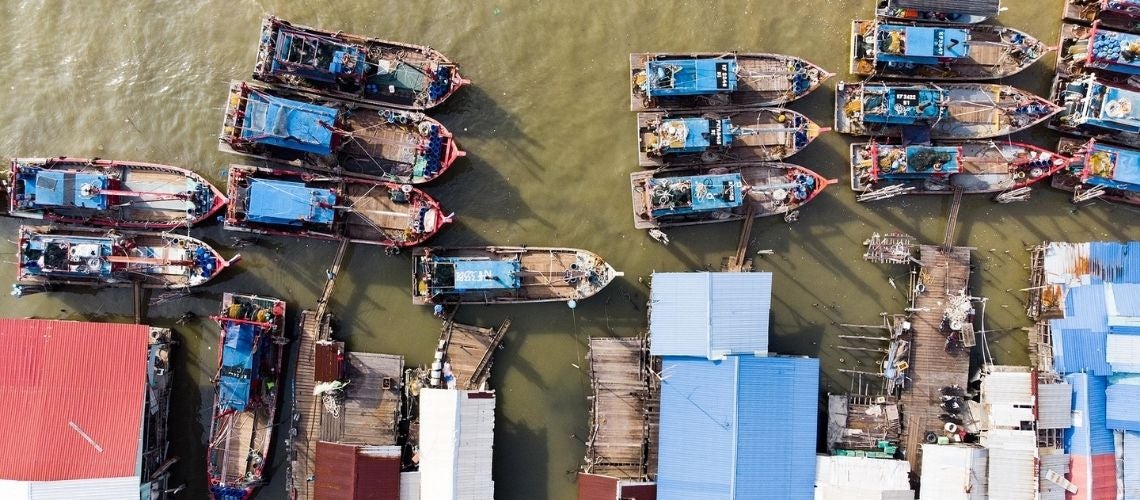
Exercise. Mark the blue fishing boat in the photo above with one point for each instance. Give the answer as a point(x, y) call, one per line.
point(1111, 55)
point(686, 138)
point(1116, 14)
point(711, 80)
point(899, 49)
point(326, 134)
point(939, 11)
point(1099, 171)
point(921, 112)
point(1097, 110)
point(353, 67)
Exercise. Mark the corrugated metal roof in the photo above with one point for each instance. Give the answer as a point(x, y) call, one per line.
point(1122, 410)
point(1131, 472)
point(456, 440)
point(1089, 434)
point(79, 393)
point(351, 472)
point(1056, 462)
point(1094, 476)
point(335, 466)
point(860, 478)
point(104, 488)
point(637, 491)
point(596, 487)
point(1012, 464)
point(709, 315)
point(1008, 394)
point(1076, 264)
point(1123, 352)
point(410, 485)
point(986, 8)
point(1054, 406)
point(1084, 309)
point(953, 472)
point(751, 420)
point(329, 361)
point(1123, 299)
point(1079, 350)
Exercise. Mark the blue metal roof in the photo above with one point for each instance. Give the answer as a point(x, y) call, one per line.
point(1122, 410)
point(1089, 434)
point(1131, 471)
point(67, 189)
point(679, 77)
point(1080, 350)
point(709, 315)
point(744, 427)
point(1115, 262)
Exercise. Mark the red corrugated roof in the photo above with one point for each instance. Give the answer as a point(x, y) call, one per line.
point(596, 487)
point(61, 381)
point(1094, 476)
point(350, 472)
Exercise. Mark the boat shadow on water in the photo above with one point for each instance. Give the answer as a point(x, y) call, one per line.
point(487, 196)
point(473, 114)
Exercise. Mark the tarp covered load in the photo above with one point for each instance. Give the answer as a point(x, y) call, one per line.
point(1114, 51)
point(697, 193)
point(319, 58)
point(680, 77)
point(903, 106)
point(53, 188)
point(921, 44)
point(239, 366)
point(284, 123)
point(986, 8)
point(1113, 167)
point(289, 203)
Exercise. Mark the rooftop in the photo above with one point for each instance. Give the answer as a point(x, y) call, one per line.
point(709, 315)
point(457, 432)
point(861, 478)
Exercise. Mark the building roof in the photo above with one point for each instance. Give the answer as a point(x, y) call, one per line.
point(1089, 434)
point(1077, 264)
point(1122, 412)
point(861, 478)
point(457, 432)
point(952, 472)
point(1122, 352)
point(1012, 464)
point(709, 315)
point(78, 391)
point(1131, 470)
point(1007, 393)
point(1057, 462)
point(108, 488)
point(972, 7)
point(1095, 476)
point(410, 485)
point(1080, 350)
point(351, 472)
point(1054, 406)
point(751, 420)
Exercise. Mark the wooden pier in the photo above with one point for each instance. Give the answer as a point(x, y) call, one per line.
point(371, 406)
point(621, 416)
point(470, 350)
point(740, 261)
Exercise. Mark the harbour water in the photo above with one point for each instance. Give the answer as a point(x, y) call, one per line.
point(550, 146)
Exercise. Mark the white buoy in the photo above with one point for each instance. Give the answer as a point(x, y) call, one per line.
point(573, 303)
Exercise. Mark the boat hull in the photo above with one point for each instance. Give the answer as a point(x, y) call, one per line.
point(773, 134)
point(995, 52)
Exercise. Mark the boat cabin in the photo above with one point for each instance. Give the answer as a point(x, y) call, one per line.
point(914, 162)
point(58, 188)
point(316, 57)
point(904, 105)
point(459, 275)
point(284, 203)
point(687, 77)
point(239, 367)
point(901, 45)
point(74, 255)
point(284, 123)
point(1111, 167)
point(694, 194)
point(942, 10)
point(688, 135)
point(1110, 51)
point(1091, 103)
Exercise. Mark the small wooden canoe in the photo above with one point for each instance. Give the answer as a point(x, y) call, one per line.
point(685, 196)
point(1115, 14)
point(507, 275)
point(307, 205)
point(1094, 172)
point(689, 138)
point(109, 193)
point(660, 81)
point(917, 51)
point(326, 134)
point(353, 67)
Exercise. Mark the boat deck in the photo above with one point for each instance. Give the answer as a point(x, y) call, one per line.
point(373, 138)
point(470, 351)
point(245, 435)
point(371, 406)
point(620, 416)
point(374, 214)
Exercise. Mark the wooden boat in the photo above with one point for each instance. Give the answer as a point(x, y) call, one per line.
point(1115, 14)
point(945, 111)
point(507, 275)
point(251, 349)
point(109, 193)
point(353, 67)
point(1097, 110)
point(287, 202)
point(323, 133)
point(1111, 55)
point(938, 11)
point(1099, 171)
point(908, 50)
point(712, 80)
point(972, 166)
point(759, 134)
point(703, 195)
point(94, 257)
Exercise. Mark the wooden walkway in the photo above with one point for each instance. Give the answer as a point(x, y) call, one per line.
point(371, 407)
point(620, 416)
point(470, 350)
point(306, 407)
point(932, 367)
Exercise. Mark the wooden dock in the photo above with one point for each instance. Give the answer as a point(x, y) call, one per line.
point(932, 366)
point(306, 407)
point(620, 417)
point(371, 407)
point(740, 261)
point(470, 350)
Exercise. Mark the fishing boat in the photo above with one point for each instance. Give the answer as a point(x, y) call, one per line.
point(353, 67)
point(908, 50)
point(507, 275)
point(709, 80)
point(1099, 171)
point(109, 193)
point(938, 11)
point(291, 203)
point(971, 166)
point(703, 195)
point(322, 133)
point(94, 257)
point(760, 134)
point(926, 111)
point(1116, 14)
point(251, 349)
point(1096, 109)
point(1112, 55)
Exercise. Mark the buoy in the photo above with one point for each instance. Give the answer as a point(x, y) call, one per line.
point(919, 288)
point(951, 427)
point(572, 304)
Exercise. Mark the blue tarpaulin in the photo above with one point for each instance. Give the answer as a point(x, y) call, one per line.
point(679, 77)
point(239, 367)
point(902, 106)
point(288, 124)
point(697, 193)
point(1113, 167)
point(289, 203)
point(53, 188)
point(921, 44)
point(486, 274)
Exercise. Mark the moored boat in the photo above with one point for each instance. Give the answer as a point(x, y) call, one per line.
point(506, 275)
point(1098, 110)
point(710, 80)
point(287, 202)
point(944, 111)
point(758, 134)
point(1116, 14)
point(326, 134)
point(900, 49)
point(251, 349)
point(1099, 171)
point(703, 195)
point(93, 257)
point(353, 67)
point(939, 11)
point(971, 166)
point(1112, 55)
point(109, 193)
